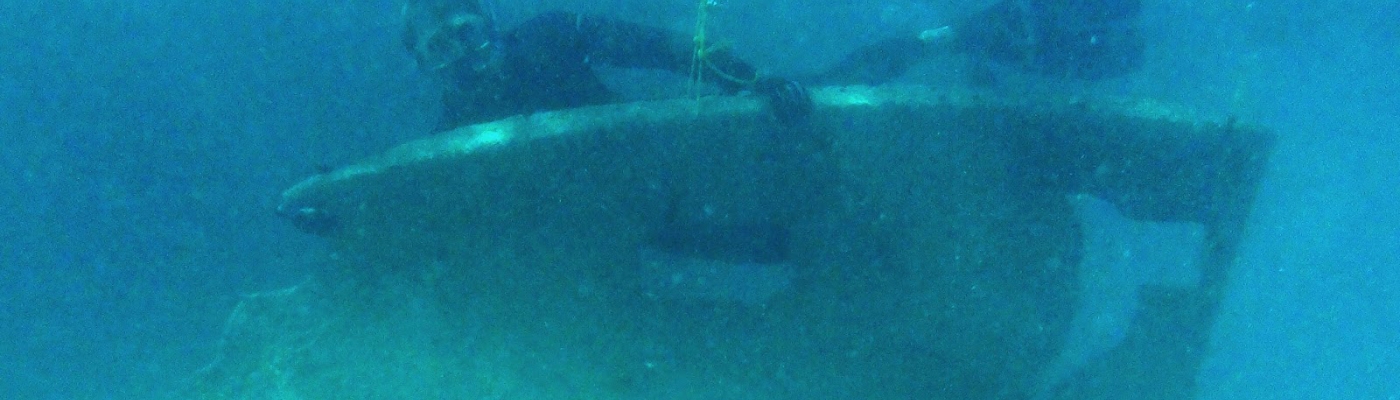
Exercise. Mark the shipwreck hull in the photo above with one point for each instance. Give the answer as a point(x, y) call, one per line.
point(928, 249)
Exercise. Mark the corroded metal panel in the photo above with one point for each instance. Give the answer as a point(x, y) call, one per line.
point(902, 243)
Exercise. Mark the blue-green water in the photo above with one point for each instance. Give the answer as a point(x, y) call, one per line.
point(145, 143)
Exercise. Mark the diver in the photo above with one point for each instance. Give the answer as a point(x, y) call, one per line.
point(546, 62)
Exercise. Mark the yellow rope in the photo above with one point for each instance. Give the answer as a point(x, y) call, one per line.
point(700, 56)
point(698, 61)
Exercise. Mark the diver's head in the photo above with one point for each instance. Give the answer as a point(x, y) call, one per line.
point(456, 39)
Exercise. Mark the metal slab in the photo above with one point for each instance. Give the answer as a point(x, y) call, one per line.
point(929, 246)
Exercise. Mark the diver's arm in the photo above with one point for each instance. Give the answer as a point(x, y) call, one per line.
point(631, 45)
point(880, 62)
point(601, 40)
point(887, 59)
point(627, 44)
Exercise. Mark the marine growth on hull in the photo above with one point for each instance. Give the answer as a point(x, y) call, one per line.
point(906, 243)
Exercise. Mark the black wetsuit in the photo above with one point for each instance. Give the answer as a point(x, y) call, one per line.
point(548, 60)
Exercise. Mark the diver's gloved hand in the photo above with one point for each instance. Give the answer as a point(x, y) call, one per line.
point(789, 101)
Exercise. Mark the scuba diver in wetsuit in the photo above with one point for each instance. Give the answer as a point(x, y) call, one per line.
point(546, 62)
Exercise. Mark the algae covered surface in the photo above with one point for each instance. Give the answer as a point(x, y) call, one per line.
point(928, 244)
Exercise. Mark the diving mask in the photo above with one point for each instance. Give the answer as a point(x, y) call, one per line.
point(461, 40)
